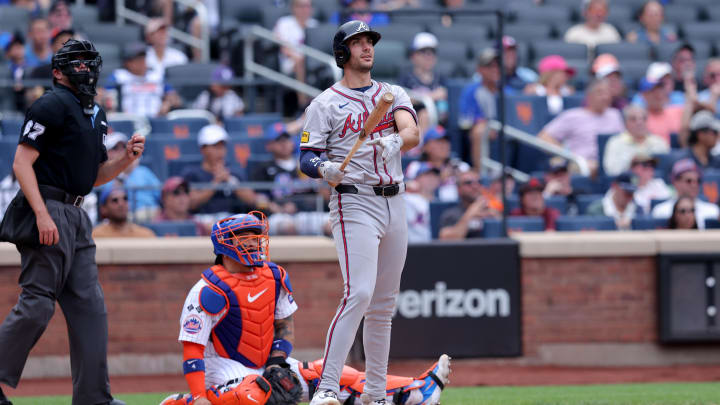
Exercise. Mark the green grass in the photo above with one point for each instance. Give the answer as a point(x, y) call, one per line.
point(612, 394)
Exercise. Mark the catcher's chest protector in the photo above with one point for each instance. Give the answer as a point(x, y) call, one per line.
point(245, 332)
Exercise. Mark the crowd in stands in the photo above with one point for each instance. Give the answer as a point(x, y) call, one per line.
point(631, 88)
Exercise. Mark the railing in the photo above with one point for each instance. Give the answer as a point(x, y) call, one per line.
point(528, 139)
point(203, 43)
point(252, 68)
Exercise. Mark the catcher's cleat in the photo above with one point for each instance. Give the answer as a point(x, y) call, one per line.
point(365, 399)
point(435, 378)
point(325, 397)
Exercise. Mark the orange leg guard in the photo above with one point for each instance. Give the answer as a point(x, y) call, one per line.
point(252, 390)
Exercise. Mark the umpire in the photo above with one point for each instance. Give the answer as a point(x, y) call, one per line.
point(60, 156)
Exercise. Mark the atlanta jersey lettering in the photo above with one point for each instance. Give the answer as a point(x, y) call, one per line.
point(335, 118)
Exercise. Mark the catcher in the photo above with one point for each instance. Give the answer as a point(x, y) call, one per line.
point(243, 307)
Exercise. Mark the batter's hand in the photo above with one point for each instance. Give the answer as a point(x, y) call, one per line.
point(389, 144)
point(47, 229)
point(135, 146)
point(331, 172)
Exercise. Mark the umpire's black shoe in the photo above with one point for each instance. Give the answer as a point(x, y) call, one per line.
point(113, 402)
point(3, 399)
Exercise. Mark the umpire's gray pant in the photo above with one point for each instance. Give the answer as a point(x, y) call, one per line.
point(65, 272)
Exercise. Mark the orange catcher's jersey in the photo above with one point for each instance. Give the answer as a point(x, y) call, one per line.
point(235, 312)
point(334, 120)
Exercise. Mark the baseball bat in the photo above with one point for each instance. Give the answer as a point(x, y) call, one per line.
point(370, 123)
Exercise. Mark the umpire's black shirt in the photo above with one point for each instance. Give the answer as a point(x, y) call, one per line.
point(70, 143)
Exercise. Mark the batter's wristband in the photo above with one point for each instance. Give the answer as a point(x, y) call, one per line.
point(282, 345)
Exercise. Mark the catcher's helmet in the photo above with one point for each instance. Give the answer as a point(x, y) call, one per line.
point(347, 31)
point(74, 53)
point(230, 238)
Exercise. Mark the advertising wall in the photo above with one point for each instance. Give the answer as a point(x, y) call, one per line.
point(460, 298)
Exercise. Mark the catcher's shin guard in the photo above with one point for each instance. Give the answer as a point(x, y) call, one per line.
point(251, 390)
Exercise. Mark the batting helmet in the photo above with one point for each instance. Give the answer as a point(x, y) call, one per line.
point(242, 237)
point(73, 54)
point(347, 31)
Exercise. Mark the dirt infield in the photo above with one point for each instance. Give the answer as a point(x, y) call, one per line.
point(465, 373)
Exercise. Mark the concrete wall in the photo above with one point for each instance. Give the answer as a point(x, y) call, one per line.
point(587, 299)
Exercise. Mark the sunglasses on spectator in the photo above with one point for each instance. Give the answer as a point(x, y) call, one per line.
point(116, 200)
point(469, 182)
point(686, 210)
point(691, 180)
point(714, 75)
point(180, 190)
point(643, 164)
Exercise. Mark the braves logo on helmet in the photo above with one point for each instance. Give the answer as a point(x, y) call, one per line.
point(243, 238)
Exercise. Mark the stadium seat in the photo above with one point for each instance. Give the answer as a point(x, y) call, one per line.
point(320, 37)
point(705, 31)
point(452, 51)
point(461, 33)
point(711, 185)
point(619, 13)
point(255, 144)
point(584, 201)
point(10, 126)
point(387, 65)
point(559, 202)
point(529, 32)
point(399, 32)
point(84, 13)
point(271, 14)
point(713, 12)
point(421, 21)
point(436, 210)
point(492, 227)
point(585, 223)
point(626, 51)
point(325, 9)
point(680, 13)
point(634, 70)
point(252, 125)
point(110, 52)
point(179, 128)
point(8, 145)
point(546, 14)
point(664, 51)
point(647, 222)
point(113, 33)
point(712, 223)
point(127, 127)
point(602, 140)
point(177, 167)
point(190, 79)
point(14, 18)
point(542, 48)
point(173, 228)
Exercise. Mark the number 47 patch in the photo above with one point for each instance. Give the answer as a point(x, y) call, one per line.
point(33, 129)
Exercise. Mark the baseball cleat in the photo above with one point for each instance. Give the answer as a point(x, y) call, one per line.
point(436, 377)
point(325, 397)
point(177, 399)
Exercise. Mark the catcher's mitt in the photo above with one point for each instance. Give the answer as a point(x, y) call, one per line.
point(286, 388)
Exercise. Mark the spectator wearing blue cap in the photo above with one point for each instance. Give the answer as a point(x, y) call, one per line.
point(220, 99)
point(421, 191)
point(618, 202)
point(114, 212)
point(436, 152)
point(282, 170)
point(686, 178)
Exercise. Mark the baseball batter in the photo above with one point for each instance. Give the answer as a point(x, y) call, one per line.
point(237, 333)
point(368, 217)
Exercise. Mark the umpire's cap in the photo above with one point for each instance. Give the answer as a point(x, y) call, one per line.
point(347, 31)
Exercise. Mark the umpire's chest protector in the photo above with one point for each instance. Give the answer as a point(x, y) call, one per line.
point(245, 332)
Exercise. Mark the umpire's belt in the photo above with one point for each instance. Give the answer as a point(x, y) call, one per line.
point(54, 193)
point(384, 191)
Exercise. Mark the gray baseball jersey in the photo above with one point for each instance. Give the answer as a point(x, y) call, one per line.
point(370, 231)
point(333, 121)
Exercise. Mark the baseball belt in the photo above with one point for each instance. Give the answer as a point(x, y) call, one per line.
point(383, 191)
point(54, 193)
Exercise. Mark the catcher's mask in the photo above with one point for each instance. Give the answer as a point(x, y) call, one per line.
point(72, 55)
point(243, 238)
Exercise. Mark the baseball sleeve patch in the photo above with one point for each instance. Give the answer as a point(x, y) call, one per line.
point(192, 324)
point(305, 137)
